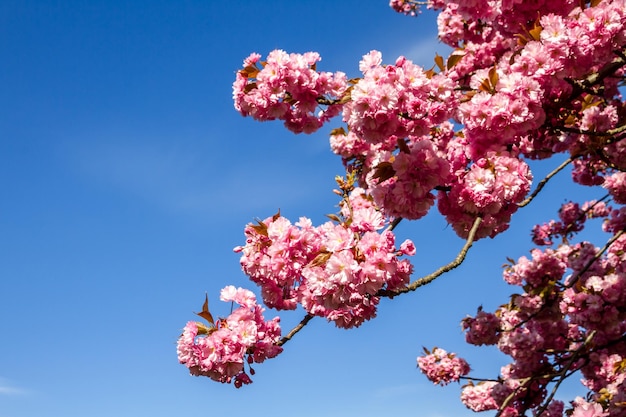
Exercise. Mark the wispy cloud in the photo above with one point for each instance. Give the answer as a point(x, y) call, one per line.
point(8, 388)
point(189, 182)
point(397, 391)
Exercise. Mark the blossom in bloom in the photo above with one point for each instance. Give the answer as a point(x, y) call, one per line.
point(482, 329)
point(334, 270)
point(221, 350)
point(442, 367)
point(289, 88)
point(583, 408)
point(477, 397)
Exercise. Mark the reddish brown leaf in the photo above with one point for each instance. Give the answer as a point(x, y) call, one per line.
point(321, 259)
point(384, 171)
point(205, 314)
point(439, 62)
point(454, 58)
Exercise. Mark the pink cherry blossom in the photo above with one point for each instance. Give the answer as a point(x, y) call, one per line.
point(442, 367)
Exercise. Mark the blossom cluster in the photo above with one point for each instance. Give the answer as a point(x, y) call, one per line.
point(334, 270)
point(526, 80)
point(288, 87)
point(407, 7)
point(221, 350)
point(442, 367)
point(569, 316)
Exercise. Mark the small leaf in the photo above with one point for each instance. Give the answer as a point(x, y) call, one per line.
point(570, 120)
point(347, 96)
point(340, 131)
point(535, 32)
point(205, 314)
point(485, 86)
point(620, 366)
point(334, 218)
point(468, 96)
point(454, 58)
point(250, 71)
point(384, 171)
point(521, 39)
point(493, 77)
point(260, 228)
point(249, 87)
point(402, 145)
point(439, 62)
point(321, 259)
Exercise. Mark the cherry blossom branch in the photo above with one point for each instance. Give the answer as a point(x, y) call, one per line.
point(544, 181)
point(412, 287)
point(394, 223)
point(595, 258)
point(610, 132)
point(442, 270)
point(563, 374)
point(584, 85)
point(295, 330)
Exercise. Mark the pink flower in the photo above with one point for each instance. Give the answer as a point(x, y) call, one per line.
point(478, 397)
point(442, 367)
point(583, 408)
point(219, 352)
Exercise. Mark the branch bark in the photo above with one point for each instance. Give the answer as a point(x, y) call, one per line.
point(446, 268)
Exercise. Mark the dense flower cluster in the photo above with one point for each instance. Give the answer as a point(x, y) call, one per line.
point(442, 367)
point(526, 80)
point(334, 270)
point(407, 7)
point(288, 87)
point(221, 350)
point(570, 316)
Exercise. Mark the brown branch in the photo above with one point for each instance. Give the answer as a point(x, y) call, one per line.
point(581, 86)
point(394, 223)
point(597, 256)
point(295, 330)
point(544, 181)
point(412, 287)
point(562, 375)
point(442, 270)
point(610, 132)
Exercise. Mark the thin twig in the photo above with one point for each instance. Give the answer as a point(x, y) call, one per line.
point(295, 330)
point(544, 181)
point(394, 223)
point(563, 375)
point(595, 258)
point(608, 133)
point(431, 277)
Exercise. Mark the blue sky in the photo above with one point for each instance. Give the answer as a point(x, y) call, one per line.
point(127, 178)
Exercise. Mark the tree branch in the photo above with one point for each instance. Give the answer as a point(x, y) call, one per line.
point(595, 258)
point(431, 277)
point(295, 330)
point(544, 181)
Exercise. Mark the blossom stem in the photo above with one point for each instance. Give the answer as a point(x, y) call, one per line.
point(442, 270)
point(295, 330)
point(544, 181)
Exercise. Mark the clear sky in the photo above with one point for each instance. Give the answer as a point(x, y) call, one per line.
point(126, 178)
